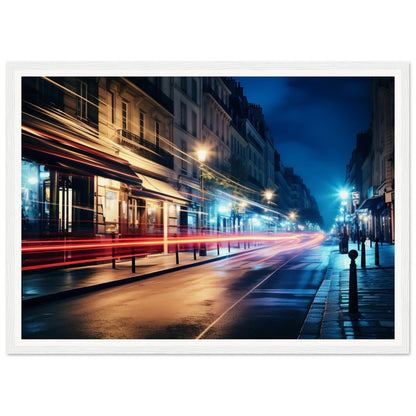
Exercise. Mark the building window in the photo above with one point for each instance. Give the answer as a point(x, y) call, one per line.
point(82, 104)
point(141, 127)
point(194, 90)
point(194, 124)
point(194, 170)
point(183, 116)
point(158, 83)
point(112, 107)
point(184, 149)
point(157, 134)
point(111, 206)
point(124, 114)
point(184, 84)
point(65, 204)
point(124, 117)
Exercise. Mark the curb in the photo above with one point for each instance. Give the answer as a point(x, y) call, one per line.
point(312, 325)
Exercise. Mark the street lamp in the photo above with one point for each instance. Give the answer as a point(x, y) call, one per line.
point(202, 155)
point(292, 216)
point(268, 195)
point(344, 194)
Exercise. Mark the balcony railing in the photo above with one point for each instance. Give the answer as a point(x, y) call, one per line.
point(153, 91)
point(145, 148)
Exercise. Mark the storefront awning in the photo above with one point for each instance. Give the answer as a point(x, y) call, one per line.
point(372, 203)
point(75, 158)
point(157, 188)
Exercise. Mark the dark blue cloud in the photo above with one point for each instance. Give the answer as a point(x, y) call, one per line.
point(314, 122)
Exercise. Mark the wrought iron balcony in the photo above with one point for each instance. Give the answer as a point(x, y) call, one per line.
point(145, 148)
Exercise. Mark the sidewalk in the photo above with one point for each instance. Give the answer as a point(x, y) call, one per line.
point(59, 283)
point(329, 317)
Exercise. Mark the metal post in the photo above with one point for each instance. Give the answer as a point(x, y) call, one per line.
point(177, 254)
point(363, 252)
point(229, 246)
point(202, 246)
point(377, 255)
point(353, 293)
point(194, 251)
point(113, 250)
point(133, 261)
point(218, 248)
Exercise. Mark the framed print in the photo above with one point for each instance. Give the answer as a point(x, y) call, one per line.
point(208, 208)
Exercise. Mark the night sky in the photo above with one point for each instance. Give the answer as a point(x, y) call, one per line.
point(314, 122)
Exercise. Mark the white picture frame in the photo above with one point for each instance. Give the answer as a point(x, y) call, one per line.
point(399, 345)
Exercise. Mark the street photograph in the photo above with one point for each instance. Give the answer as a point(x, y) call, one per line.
point(207, 208)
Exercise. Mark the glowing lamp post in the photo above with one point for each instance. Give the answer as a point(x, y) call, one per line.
point(268, 195)
point(344, 196)
point(202, 155)
point(292, 216)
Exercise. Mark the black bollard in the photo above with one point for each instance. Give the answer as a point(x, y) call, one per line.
point(353, 294)
point(194, 252)
point(113, 250)
point(202, 246)
point(363, 252)
point(377, 255)
point(177, 254)
point(133, 261)
point(218, 248)
point(229, 246)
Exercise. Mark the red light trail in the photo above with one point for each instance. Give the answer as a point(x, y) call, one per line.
point(35, 251)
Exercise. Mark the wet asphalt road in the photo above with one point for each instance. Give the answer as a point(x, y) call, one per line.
point(261, 295)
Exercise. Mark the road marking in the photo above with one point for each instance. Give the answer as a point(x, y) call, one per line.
point(244, 296)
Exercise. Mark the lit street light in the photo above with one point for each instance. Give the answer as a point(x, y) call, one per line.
point(344, 194)
point(292, 216)
point(202, 155)
point(268, 195)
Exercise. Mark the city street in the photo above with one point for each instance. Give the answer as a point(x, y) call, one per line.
point(187, 216)
point(262, 294)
